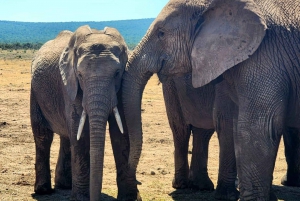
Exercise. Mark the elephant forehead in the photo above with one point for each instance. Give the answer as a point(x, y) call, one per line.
point(98, 48)
point(101, 39)
point(105, 59)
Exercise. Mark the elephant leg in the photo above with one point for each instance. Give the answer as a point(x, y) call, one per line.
point(292, 154)
point(256, 144)
point(43, 138)
point(256, 158)
point(63, 173)
point(127, 183)
point(180, 180)
point(181, 135)
point(198, 175)
point(224, 115)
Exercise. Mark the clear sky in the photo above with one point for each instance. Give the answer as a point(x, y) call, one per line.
point(78, 10)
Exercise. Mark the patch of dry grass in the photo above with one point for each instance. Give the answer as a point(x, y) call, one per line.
point(17, 54)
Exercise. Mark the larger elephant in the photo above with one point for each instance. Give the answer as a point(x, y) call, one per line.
point(251, 49)
point(74, 86)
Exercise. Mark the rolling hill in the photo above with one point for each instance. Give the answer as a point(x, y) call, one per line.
point(12, 32)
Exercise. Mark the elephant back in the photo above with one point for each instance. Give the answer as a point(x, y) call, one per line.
point(50, 52)
point(280, 13)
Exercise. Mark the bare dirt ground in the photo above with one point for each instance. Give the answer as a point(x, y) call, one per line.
point(155, 169)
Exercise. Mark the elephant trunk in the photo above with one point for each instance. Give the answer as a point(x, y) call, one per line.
point(98, 107)
point(134, 82)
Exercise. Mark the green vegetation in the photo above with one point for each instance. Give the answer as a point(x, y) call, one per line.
point(20, 46)
point(31, 35)
point(20, 54)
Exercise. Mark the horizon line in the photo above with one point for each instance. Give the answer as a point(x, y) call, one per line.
point(75, 21)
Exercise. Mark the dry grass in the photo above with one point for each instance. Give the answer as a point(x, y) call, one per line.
point(17, 147)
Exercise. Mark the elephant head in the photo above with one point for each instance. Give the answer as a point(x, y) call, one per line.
point(204, 38)
point(94, 62)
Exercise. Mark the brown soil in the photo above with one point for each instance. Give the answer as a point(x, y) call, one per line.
point(155, 169)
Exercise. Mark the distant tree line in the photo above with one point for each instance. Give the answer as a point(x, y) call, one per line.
point(36, 46)
point(18, 46)
point(31, 35)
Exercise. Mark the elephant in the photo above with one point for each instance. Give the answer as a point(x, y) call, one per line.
point(249, 50)
point(75, 90)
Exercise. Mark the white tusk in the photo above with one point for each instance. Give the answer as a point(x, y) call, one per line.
point(118, 119)
point(81, 124)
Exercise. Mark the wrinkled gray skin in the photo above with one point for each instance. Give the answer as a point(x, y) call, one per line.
point(252, 47)
point(75, 72)
point(185, 115)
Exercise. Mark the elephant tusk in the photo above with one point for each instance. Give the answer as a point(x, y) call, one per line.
point(118, 119)
point(81, 124)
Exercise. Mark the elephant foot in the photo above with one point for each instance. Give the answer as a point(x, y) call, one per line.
point(63, 183)
point(180, 183)
point(273, 196)
point(128, 191)
point(130, 197)
point(201, 182)
point(292, 180)
point(63, 186)
point(226, 193)
point(43, 189)
point(79, 197)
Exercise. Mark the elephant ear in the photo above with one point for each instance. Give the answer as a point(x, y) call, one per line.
point(232, 31)
point(119, 38)
point(115, 34)
point(68, 61)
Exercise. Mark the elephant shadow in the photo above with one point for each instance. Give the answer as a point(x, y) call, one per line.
point(192, 195)
point(282, 192)
point(64, 195)
point(287, 193)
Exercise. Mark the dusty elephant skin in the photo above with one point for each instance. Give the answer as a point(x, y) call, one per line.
point(74, 86)
point(252, 48)
point(189, 111)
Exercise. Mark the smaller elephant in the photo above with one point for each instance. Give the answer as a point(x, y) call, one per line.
point(74, 92)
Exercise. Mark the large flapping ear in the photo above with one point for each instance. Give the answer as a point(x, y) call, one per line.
point(232, 31)
point(119, 38)
point(68, 61)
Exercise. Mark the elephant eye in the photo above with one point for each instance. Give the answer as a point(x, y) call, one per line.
point(79, 75)
point(161, 34)
point(79, 51)
point(117, 74)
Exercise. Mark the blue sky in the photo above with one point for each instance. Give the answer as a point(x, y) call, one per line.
point(78, 10)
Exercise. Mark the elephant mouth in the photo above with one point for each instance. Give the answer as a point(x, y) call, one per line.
point(163, 60)
point(162, 74)
point(83, 118)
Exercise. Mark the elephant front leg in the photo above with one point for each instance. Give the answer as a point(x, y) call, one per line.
point(255, 161)
point(127, 183)
point(292, 154)
point(63, 173)
point(226, 186)
point(181, 134)
point(256, 144)
point(198, 175)
point(181, 137)
point(224, 114)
